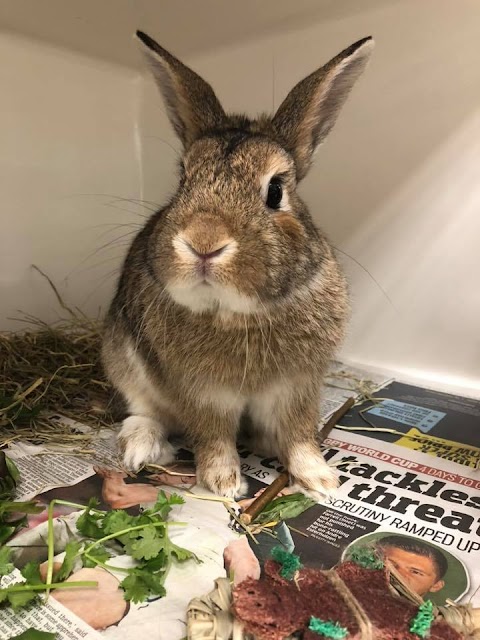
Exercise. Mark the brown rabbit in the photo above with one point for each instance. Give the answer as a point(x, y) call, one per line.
point(230, 301)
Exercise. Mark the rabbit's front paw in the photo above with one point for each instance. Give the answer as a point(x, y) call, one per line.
point(222, 475)
point(143, 440)
point(310, 473)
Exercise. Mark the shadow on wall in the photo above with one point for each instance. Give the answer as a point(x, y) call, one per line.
point(422, 244)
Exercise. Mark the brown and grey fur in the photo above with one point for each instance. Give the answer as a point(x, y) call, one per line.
point(257, 337)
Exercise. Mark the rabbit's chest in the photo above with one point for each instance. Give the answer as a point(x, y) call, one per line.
point(223, 359)
point(209, 357)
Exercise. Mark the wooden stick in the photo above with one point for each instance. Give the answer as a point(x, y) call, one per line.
point(282, 480)
point(265, 498)
point(334, 418)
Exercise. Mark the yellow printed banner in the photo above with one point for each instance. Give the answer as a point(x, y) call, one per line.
point(446, 449)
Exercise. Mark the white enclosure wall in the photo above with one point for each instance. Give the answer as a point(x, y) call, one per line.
point(396, 186)
point(67, 152)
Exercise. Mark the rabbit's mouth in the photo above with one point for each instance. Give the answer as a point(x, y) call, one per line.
point(208, 295)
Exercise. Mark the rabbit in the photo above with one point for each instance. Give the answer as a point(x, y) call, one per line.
point(230, 301)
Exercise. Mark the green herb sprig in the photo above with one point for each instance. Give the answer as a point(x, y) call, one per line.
point(144, 537)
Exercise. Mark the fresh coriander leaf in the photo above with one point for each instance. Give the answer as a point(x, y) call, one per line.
point(12, 514)
point(139, 585)
point(155, 564)
point(144, 519)
point(19, 599)
point(35, 634)
point(12, 469)
point(154, 581)
point(171, 549)
point(160, 509)
point(163, 505)
point(89, 522)
point(72, 550)
point(98, 554)
point(117, 520)
point(21, 507)
point(6, 566)
point(135, 588)
point(150, 547)
point(180, 553)
point(3, 595)
point(31, 573)
point(147, 545)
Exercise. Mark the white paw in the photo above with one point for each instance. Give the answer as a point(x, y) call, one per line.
point(311, 474)
point(223, 476)
point(143, 440)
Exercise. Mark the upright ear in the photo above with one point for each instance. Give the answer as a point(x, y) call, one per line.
point(192, 106)
point(310, 110)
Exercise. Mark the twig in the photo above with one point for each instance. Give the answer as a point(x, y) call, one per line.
point(302, 533)
point(334, 418)
point(265, 498)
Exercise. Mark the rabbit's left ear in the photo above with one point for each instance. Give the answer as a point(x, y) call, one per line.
point(310, 110)
point(192, 106)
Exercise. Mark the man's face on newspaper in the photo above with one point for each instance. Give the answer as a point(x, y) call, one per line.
point(419, 572)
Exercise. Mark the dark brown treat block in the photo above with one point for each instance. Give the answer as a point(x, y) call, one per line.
point(308, 584)
point(273, 608)
point(269, 611)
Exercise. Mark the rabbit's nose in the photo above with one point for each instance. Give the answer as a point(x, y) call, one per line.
point(210, 254)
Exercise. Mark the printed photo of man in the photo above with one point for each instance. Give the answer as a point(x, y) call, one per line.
point(420, 565)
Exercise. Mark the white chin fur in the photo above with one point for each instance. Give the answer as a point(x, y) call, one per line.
point(200, 297)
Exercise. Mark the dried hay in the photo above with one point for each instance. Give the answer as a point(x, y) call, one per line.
point(47, 371)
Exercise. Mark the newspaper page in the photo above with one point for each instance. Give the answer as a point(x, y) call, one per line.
point(42, 469)
point(410, 504)
point(423, 513)
point(102, 611)
point(52, 617)
point(436, 423)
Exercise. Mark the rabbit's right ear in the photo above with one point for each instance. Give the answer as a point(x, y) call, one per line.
point(192, 106)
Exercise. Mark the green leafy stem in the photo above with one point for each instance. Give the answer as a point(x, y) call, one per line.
point(96, 543)
point(143, 537)
point(18, 588)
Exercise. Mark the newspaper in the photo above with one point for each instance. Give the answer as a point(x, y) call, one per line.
point(436, 423)
point(343, 382)
point(52, 617)
point(424, 511)
point(430, 506)
point(102, 612)
point(42, 469)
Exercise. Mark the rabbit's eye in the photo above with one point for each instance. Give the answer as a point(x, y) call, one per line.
point(275, 193)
